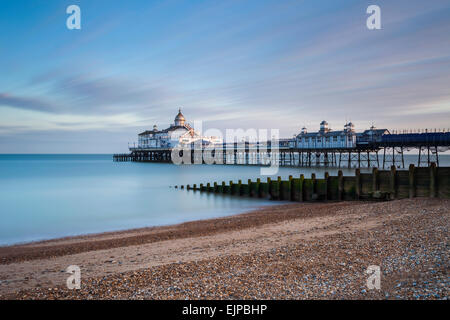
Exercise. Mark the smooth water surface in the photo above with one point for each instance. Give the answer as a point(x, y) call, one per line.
point(49, 196)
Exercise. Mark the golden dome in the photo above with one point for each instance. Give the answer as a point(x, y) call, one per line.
point(179, 119)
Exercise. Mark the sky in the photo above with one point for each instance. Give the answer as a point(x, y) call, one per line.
point(231, 64)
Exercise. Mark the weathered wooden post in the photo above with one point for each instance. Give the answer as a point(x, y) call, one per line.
point(314, 195)
point(249, 189)
point(393, 183)
point(224, 187)
point(274, 189)
point(294, 189)
point(195, 187)
point(208, 187)
point(188, 187)
point(412, 181)
point(258, 186)
point(268, 188)
point(301, 186)
point(215, 187)
point(340, 185)
point(375, 182)
point(433, 189)
point(284, 189)
point(231, 188)
point(327, 185)
point(239, 188)
point(291, 188)
point(357, 184)
point(279, 187)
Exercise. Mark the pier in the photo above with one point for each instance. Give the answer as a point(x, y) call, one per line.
point(388, 151)
point(328, 148)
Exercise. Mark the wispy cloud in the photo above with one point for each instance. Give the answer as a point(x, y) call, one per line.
point(25, 103)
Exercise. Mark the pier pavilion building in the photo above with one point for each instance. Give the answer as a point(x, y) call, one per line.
point(326, 138)
point(180, 132)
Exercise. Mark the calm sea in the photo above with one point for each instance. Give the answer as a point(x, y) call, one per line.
point(49, 196)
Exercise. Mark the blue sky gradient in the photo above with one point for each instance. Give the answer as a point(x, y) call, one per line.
point(232, 64)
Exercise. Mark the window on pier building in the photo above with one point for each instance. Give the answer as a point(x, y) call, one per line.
point(335, 138)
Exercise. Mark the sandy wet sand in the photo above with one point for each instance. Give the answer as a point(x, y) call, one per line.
point(312, 250)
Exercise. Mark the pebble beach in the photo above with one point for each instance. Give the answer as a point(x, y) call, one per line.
point(291, 251)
